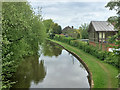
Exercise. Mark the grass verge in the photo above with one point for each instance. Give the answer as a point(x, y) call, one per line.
point(104, 75)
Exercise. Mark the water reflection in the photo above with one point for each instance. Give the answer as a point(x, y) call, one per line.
point(54, 68)
point(29, 70)
point(50, 49)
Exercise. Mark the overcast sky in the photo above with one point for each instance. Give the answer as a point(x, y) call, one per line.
point(73, 12)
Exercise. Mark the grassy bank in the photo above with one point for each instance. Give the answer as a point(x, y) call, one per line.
point(104, 75)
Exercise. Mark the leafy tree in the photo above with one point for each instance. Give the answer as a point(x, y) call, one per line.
point(48, 24)
point(84, 31)
point(113, 19)
point(115, 5)
point(52, 28)
point(56, 28)
point(79, 34)
point(59, 29)
point(22, 31)
point(51, 33)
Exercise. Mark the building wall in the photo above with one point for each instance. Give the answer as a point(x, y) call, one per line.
point(103, 45)
point(96, 36)
point(91, 33)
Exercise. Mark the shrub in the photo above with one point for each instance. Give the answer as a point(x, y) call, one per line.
point(63, 38)
point(108, 57)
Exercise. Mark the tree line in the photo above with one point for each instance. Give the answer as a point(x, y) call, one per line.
point(52, 28)
point(22, 31)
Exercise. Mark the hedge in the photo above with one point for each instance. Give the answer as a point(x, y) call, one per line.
point(107, 57)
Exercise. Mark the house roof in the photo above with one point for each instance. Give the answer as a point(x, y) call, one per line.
point(103, 26)
point(67, 28)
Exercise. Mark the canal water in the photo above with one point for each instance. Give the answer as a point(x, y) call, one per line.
point(54, 67)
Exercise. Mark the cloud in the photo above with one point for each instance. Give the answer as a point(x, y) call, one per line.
point(74, 13)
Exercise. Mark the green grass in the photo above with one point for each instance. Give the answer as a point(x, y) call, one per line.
point(104, 75)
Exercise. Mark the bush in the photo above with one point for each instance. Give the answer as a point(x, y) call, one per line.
point(63, 38)
point(112, 59)
point(108, 57)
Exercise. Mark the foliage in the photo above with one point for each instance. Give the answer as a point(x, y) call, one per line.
point(56, 28)
point(63, 38)
point(100, 77)
point(21, 34)
point(74, 33)
point(52, 28)
point(112, 39)
point(84, 30)
point(102, 55)
point(115, 5)
point(30, 69)
point(51, 49)
point(48, 24)
point(113, 19)
point(79, 34)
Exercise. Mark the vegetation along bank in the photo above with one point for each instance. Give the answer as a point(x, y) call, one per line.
point(104, 74)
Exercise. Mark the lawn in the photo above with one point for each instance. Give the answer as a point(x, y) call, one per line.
point(103, 74)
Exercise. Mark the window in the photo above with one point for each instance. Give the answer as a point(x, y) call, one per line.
point(103, 35)
point(100, 35)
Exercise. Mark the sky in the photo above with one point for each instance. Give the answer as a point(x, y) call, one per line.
point(73, 12)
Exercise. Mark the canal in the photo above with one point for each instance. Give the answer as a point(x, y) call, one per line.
point(53, 67)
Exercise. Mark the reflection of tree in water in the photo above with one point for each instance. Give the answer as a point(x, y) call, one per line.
point(72, 58)
point(50, 49)
point(39, 72)
point(29, 70)
point(82, 66)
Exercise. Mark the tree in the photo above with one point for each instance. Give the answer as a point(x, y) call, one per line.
point(59, 29)
point(52, 28)
point(56, 28)
point(22, 31)
point(84, 31)
point(79, 34)
point(113, 19)
point(115, 5)
point(48, 24)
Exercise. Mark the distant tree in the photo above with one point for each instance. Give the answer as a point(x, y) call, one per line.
point(84, 31)
point(79, 34)
point(59, 29)
point(51, 33)
point(56, 28)
point(47, 23)
point(52, 28)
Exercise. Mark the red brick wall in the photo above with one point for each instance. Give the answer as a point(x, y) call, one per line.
point(103, 45)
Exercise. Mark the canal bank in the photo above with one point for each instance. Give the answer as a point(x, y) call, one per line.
point(104, 75)
point(85, 65)
point(53, 67)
